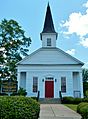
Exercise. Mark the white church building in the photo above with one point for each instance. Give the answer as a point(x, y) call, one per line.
point(50, 69)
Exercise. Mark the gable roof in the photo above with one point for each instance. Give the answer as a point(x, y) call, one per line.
point(50, 56)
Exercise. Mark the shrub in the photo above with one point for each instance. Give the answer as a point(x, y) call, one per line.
point(14, 94)
point(85, 99)
point(34, 98)
point(3, 94)
point(77, 100)
point(82, 108)
point(19, 108)
point(67, 100)
point(22, 92)
point(71, 100)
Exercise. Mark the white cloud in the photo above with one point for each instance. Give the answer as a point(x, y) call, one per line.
point(71, 51)
point(85, 4)
point(84, 42)
point(78, 23)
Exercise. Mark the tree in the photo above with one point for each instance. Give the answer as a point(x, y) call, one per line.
point(85, 80)
point(85, 87)
point(85, 75)
point(13, 45)
point(86, 93)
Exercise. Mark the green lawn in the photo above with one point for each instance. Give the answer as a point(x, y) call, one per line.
point(72, 106)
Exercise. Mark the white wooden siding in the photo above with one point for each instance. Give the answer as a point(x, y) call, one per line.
point(49, 56)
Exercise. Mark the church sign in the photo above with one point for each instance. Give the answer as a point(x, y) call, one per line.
point(9, 86)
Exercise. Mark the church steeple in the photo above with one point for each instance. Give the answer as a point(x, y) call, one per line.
point(48, 35)
point(48, 25)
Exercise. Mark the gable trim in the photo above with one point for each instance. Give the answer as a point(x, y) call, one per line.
point(49, 64)
point(79, 62)
point(28, 56)
point(63, 52)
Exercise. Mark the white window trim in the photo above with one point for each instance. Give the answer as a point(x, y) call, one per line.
point(65, 83)
point(35, 77)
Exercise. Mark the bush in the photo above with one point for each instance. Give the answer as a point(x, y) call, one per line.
point(82, 109)
point(85, 99)
point(19, 108)
point(80, 106)
point(77, 100)
point(3, 94)
point(71, 100)
point(14, 94)
point(67, 100)
point(35, 98)
point(22, 92)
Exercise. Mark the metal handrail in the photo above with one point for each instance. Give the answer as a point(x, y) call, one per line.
point(60, 95)
point(38, 95)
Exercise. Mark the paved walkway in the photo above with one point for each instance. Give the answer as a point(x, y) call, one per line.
point(57, 111)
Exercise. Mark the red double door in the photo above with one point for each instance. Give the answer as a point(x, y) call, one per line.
point(49, 89)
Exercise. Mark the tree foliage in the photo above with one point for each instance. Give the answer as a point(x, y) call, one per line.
point(85, 87)
point(85, 80)
point(13, 45)
point(85, 75)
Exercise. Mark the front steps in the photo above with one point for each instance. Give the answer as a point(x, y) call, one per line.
point(49, 101)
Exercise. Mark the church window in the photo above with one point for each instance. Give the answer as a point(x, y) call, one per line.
point(35, 84)
point(48, 41)
point(63, 84)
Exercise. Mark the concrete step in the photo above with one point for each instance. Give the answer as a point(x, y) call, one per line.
point(49, 101)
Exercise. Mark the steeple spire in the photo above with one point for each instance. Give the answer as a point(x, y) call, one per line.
point(48, 24)
point(48, 35)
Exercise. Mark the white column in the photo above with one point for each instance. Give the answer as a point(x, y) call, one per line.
point(71, 84)
point(81, 84)
point(27, 83)
point(18, 79)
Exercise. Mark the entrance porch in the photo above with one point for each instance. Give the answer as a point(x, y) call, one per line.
point(50, 84)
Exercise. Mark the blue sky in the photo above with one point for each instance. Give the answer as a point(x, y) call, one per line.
point(70, 20)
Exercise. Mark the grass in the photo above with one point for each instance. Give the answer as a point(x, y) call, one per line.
point(72, 106)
